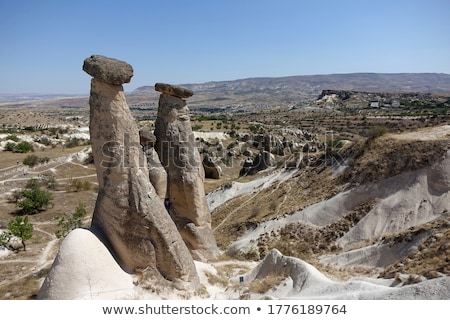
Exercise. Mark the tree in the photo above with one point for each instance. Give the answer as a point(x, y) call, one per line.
point(67, 223)
point(35, 200)
point(22, 229)
point(23, 147)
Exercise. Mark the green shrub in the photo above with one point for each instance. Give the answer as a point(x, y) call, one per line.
point(67, 223)
point(32, 183)
point(5, 237)
point(23, 147)
point(31, 160)
point(10, 146)
point(75, 142)
point(76, 185)
point(44, 160)
point(35, 200)
point(12, 137)
point(50, 181)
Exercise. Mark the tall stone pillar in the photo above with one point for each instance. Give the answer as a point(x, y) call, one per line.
point(128, 216)
point(175, 144)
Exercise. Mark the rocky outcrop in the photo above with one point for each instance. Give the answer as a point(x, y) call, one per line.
point(342, 94)
point(178, 153)
point(212, 170)
point(128, 216)
point(262, 161)
point(85, 269)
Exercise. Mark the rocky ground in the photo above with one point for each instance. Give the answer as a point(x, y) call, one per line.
point(363, 214)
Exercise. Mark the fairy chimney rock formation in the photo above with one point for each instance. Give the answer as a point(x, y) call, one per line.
point(108, 70)
point(129, 216)
point(172, 90)
point(176, 147)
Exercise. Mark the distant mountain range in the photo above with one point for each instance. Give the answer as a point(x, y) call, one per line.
point(269, 92)
point(297, 90)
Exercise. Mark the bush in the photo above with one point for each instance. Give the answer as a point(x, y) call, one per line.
point(256, 128)
point(67, 223)
point(32, 183)
point(50, 181)
point(377, 131)
point(43, 140)
point(12, 137)
point(35, 200)
point(10, 146)
point(5, 237)
point(23, 147)
point(44, 160)
point(78, 185)
point(31, 160)
point(75, 142)
point(16, 195)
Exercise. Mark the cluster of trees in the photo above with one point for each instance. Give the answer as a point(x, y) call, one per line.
point(31, 200)
point(15, 145)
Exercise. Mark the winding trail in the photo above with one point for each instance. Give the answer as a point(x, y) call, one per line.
point(43, 260)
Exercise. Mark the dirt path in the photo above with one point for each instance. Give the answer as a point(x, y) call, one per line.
point(434, 133)
point(37, 263)
point(13, 172)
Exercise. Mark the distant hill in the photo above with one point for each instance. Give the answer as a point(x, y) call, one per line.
point(297, 90)
point(260, 93)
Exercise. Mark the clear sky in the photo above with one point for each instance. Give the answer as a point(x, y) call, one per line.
point(43, 43)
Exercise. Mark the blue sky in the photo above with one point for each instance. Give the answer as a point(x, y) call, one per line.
point(44, 43)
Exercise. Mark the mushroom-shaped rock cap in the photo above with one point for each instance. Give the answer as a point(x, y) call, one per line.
point(176, 91)
point(108, 70)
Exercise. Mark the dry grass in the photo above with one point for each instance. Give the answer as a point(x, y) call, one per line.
point(430, 259)
point(8, 159)
point(263, 285)
point(383, 157)
point(306, 242)
point(311, 185)
point(217, 279)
